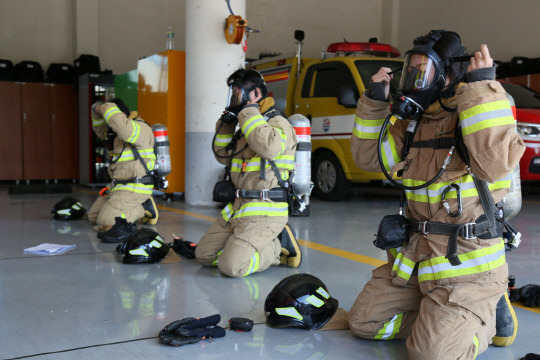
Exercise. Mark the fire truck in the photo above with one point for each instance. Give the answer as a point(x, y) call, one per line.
point(326, 91)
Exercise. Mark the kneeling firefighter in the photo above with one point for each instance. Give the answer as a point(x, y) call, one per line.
point(249, 236)
point(444, 287)
point(129, 196)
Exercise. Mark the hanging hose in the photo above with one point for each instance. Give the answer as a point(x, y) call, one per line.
point(394, 182)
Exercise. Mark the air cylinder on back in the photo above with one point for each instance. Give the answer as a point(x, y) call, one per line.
point(161, 148)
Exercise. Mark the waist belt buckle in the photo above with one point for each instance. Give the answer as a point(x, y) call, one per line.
point(113, 183)
point(264, 194)
point(422, 227)
point(237, 193)
point(137, 180)
point(468, 231)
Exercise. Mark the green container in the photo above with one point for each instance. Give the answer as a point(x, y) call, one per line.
point(125, 88)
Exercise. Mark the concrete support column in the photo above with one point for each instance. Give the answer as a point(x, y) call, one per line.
point(209, 61)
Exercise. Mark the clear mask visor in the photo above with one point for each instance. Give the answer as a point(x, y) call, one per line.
point(237, 97)
point(419, 72)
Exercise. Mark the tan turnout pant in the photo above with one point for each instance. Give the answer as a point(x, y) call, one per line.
point(119, 202)
point(450, 321)
point(241, 247)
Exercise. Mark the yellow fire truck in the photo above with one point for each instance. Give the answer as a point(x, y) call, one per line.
point(326, 92)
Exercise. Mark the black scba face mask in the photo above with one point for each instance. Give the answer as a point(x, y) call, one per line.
point(423, 77)
point(238, 98)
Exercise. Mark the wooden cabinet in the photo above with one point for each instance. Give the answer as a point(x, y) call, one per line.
point(64, 132)
point(40, 141)
point(530, 80)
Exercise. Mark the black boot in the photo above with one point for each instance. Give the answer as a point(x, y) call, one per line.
point(506, 323)
point(120, 231)
point(290, 250)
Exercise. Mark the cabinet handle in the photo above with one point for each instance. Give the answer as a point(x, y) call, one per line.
point(24, 117)
point(52, 117)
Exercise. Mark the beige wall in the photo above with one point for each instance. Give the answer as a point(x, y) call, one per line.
point(45, 30)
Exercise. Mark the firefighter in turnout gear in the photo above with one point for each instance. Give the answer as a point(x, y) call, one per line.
point(260, 154)
point(446, 306)
point(129, 196)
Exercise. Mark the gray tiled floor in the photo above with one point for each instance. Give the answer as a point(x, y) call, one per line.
point(85, 304)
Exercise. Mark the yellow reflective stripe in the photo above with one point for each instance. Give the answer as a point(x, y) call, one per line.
point(289, 311)
point(473, 262)
point(403, 266)
point(227, 212)
point(140, 252)
point(98, 122)
point(389, 152)
point(367, 129)
point(283, 138)
point(433, 193)
point(394, 252)
point(256, 208)
point(134, 187)
point(253, 264)
point(109, 113)
point(135, 133)
point(475, 342)
point(483, 116)
point(251, 124)
point(390, 329)
point(216, 261)
point(323, 293)
point(127, 155)
point(283, 162)
point(223, 140)
point(315, 301)
point(155, 243)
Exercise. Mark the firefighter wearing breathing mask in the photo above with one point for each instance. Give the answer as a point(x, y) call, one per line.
point(128, 198)
point(448, 303)
point(244, 239)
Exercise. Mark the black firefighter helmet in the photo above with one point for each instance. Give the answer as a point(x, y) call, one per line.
point(143, 246)
point(300, 300)
point(68, 209)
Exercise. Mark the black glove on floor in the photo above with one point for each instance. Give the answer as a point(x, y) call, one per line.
point(529, 294)
point(531, 356)
point(184, 247)
point(190, 330)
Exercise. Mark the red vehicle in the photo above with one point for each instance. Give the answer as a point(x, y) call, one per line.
point(528, 126)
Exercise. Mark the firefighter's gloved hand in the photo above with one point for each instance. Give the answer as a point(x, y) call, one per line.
point(229, 118)
point(376, 91)
point(529, 294)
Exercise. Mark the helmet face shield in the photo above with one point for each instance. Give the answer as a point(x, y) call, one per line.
point(419, 72)
point(238, 97)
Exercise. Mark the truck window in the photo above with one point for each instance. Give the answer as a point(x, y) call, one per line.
point(325, 80)
point(368, 68)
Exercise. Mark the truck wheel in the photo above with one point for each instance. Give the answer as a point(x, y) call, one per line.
point(329, 179)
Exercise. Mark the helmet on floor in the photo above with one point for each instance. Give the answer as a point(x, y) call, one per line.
point(300, 300)
point(68, 209)
point(143, 246)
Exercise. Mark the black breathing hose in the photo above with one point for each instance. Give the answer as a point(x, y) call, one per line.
point(234, 141)
point(394, 182)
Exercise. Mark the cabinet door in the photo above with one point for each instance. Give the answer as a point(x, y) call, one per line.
point(64, 132)
point(11, 134)
point(37, 163)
